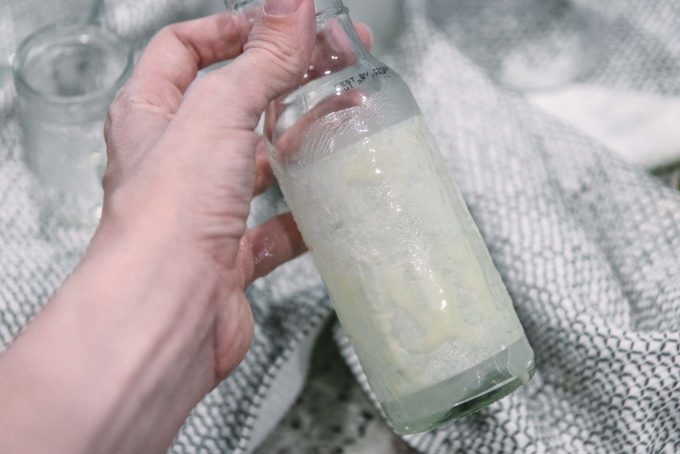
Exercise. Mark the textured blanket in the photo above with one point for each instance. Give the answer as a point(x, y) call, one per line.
point(588, 246)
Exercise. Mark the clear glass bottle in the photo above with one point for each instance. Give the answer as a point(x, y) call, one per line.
point(409, 275)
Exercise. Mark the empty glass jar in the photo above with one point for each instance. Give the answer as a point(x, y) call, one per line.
point(66, 75)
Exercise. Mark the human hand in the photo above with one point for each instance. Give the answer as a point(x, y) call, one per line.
point(184, 164)
point(155, 314)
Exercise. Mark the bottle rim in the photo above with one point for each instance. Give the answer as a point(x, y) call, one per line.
point(63, 28)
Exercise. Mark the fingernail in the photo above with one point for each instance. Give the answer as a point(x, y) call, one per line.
point(281, 7)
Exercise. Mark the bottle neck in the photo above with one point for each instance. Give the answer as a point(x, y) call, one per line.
point(337, 42)
point(324, 6)
point(338, 45)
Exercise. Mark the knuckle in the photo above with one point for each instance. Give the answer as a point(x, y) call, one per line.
point(244, 97)
point(107, 126)
point(278, 50)
point(246, 261)
point(109, 178)
point(166, 32)
point(118, 109)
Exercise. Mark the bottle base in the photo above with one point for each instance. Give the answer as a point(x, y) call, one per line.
point(463, 394)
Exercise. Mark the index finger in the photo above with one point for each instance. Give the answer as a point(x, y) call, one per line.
point(174, 56)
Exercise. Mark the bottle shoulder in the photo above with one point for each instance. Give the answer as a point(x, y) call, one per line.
point(367, 75)
point(369, 95)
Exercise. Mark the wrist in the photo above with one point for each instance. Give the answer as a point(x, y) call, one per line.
point(124, 349)
point(157, 332)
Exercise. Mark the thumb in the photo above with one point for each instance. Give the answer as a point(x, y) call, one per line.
point(274, 59)
point(278, 50)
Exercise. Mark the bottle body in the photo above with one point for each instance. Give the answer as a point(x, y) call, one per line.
point(407, 271)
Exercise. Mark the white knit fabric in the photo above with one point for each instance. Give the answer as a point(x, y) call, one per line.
point(587, 245)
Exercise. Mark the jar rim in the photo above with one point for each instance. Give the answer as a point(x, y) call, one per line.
point(64, 28)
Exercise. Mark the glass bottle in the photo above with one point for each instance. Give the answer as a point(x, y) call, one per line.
point(407, 270)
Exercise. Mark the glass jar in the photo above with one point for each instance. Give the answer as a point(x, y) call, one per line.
point(407, 270)
point(66, 75)
point(19, 18)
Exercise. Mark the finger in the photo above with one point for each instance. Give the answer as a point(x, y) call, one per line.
point(290, 140)
point(265, 175)
point(365, 34)
point(175, 55)
point(268, 246)
point(263, 170)
point(274, 59)
point(150, 98)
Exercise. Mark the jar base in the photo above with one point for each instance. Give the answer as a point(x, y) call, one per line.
point(463, 394)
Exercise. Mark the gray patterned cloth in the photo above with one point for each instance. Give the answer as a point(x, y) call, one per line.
point(588, 248)
point(587, 245)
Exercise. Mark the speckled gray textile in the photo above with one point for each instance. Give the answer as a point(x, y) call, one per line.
point(634, 44)
point(587, 245)
point(642, 48)
point(588, 248)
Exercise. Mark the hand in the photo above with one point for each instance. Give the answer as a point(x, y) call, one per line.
point(155, 315)
point(183, 167)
